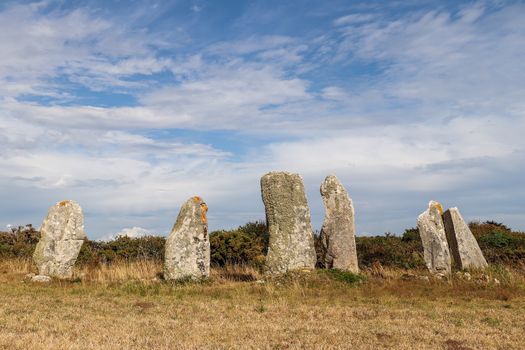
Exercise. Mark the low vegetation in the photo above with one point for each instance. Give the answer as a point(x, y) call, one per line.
point(118, 299)
point(248, 244)
point(126, 305)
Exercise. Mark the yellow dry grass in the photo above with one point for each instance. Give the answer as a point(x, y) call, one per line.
point(125, 306)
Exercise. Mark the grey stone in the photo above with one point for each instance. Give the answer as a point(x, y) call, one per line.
point(464, 275)
point(61, 237)
point(435, 247)
point(29, 276)
point(187, 251)
point(463, 245)
point(338, 231)
point(291, 245)
point(41, 279)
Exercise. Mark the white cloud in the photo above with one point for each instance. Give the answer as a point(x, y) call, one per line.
point(250, 45)
point(441, 116)
point(89, 50)
point(353, 19)
point(465, 64)
point(134, 232)
point(131, 232)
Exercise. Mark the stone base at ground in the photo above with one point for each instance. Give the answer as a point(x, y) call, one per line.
point(41, 279)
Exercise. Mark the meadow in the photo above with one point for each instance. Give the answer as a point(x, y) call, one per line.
point(126, 305)
point(118, 299)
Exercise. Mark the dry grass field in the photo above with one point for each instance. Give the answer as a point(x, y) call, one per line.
point(126, 306)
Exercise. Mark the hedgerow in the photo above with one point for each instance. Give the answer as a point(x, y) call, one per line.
point(248, 245)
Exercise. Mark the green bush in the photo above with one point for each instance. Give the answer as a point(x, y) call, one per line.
point(122, 248)
point(403, 252)
point(19, 243)
point(503, 247)
point(247, 245)
point(495, 239)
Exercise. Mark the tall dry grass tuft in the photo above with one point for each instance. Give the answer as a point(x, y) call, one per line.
point(235, 273)
point(14, 266)
point(119, 271)
point(150, 270)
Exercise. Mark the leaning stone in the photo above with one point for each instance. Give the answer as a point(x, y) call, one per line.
point(187, 251)
point(41, 279)
point(463, 245)
point(435, 247)
point(61, 237)
point(291, 245)
point(338, 231)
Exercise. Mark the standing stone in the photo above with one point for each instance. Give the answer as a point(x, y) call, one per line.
point(187, 251)
point(338, 231)
point(463, 245)
point(435, 246)
point(61, 237)
point(291, 245)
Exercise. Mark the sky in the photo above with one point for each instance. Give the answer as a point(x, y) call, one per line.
point(131, 107)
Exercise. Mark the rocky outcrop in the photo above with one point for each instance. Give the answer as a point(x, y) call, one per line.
point(435, 247)
point(291, 244)
point(338, 231)
point(61, 237)
point(187, 251)
point(463, 245)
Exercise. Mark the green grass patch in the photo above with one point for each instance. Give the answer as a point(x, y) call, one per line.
point(344, 276)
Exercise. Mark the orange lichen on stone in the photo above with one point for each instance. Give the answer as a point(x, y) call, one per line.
point(63, 203)
point(197, 199)
point(439, 208)
point(204, 210)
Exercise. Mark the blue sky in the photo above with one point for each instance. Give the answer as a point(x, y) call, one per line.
point(131, 107)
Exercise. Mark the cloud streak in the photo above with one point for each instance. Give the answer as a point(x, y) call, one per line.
point(403, 107)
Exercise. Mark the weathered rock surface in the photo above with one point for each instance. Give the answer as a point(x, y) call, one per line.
point(187, 251)
point(41, 279)
point(463, 245)
point(61, 237)
point(338, 231)
point(291, 245)
point(435, 247)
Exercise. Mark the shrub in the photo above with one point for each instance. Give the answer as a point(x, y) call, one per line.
point(246, 245)
point(19, 243)
point(495, 239)
point(122, 248)
point(411, 235)
point(482, 228)
point(405, 252)
point(500, 247)
point(257, 229)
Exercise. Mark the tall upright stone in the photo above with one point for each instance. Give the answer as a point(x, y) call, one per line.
point(463, 245)
point(187, 250)
point(338, 231)
point(61, 237)
point(435, 247)
point(291, 245)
